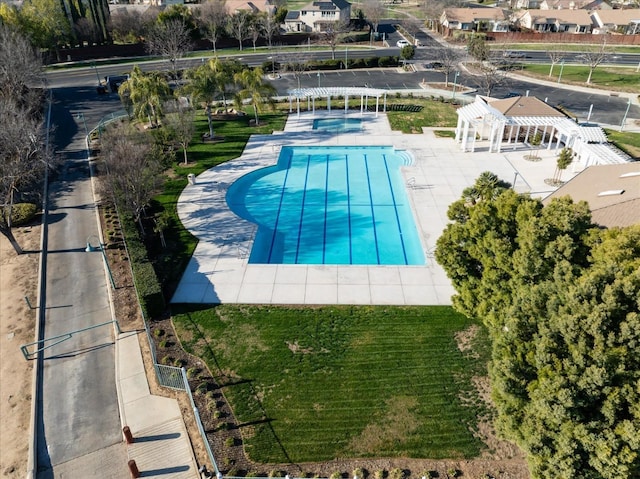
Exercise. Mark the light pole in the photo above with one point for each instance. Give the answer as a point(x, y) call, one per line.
point(318, 79)
point(273, 66)
point(455, 81)
point(80, 116)
point(561, 68)
point(346, 58)
point(624, 118)
point(91, 248)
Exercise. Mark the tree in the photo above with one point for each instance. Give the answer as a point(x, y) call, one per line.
point(238, 26)
point(21, 76)
point(127, 26)
point(255, 31)
point(566, 368)
point(23, 159)
point(478, 48)
point(449, 58)
point(594, 55)
point(146, 92)
point(270, 25)
point(297, 64)
point(412, 25)
point(208, 81)
point(556, 54)
point(46, 24)
point(212, 17)
point(134, 174)
point(181, 126)
point(332, 34)
point(565, 158)
point(407, 53)
point(560, 299)
point(374, 11)
point(490, 77)
point(170, 39)
point(254, 88)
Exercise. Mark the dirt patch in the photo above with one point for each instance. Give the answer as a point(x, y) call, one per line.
point(18, 279)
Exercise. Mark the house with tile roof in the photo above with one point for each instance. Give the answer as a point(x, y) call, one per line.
point(612, 192)
point(624, 22)
point(554, 21)
point(317, 16)
point(475, 19)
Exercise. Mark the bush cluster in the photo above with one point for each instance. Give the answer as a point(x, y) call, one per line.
point(145, 278)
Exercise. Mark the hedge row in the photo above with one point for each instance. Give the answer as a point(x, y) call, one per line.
point(144, 276)
point(337, 64)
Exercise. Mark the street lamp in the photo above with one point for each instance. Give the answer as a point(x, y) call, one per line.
point(80, 116)
point(455, 81)
point(100, 247)
point(561, 68)
point(273, 66)
point(624, 118)
point(318, 79)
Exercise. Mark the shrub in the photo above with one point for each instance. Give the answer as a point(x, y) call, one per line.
point(192, 372)
point(359, 473)
point(396, 473)
point(230, 442)
point(275, 473)
point(453, 472)
point(163, 344)
point(22, 213)
point(379, 474)
point(335, 475)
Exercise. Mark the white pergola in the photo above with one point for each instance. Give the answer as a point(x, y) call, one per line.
point(481, 121)
point(310, 94)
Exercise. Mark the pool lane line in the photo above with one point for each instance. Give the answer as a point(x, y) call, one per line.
point(275, 226)
point(304, 198)
point(395, 208)
point(373, 214)
point(326, 204)
point(346, 166)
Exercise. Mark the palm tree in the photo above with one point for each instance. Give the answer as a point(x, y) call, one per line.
point(147, 93)
point(210, 80)
point(255, 88)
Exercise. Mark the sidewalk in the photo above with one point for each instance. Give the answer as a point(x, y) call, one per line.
point(161, 444)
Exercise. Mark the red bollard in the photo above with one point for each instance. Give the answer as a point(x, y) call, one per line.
point(127, 435)
point(133, 469)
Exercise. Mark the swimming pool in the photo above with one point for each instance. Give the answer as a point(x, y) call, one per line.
point(330, 205)
point(339, 125)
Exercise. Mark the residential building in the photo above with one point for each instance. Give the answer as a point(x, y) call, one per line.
point(625, 22)
point(574, 5)
point(612, 192)
point(253, 6)
point(475, 19)
point(554, 21)
point(318, 16)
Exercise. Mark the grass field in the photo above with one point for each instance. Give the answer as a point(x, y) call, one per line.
point(313, 384)
point(621, 79)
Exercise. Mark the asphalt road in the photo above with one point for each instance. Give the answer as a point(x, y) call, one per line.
point(78, 413)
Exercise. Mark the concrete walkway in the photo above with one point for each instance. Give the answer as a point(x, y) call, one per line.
point(219, 271)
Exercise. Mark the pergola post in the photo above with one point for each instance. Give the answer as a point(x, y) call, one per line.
point(290, 104)
point(346, 103)
point(458, 129)
point(378, 103)
point(329, 102)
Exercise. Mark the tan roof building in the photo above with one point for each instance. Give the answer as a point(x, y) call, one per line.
point(475, 19)
point(626, 22)
point(552, 21)
point(253, 6)
point(612, 192)
point(524, 106)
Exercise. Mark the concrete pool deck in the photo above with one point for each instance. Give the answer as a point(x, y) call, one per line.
point(219, 272)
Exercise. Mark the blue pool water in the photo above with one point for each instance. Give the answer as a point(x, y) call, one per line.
point(330, 205)
point(339, 125)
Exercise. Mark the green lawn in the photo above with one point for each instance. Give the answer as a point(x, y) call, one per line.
point(626, 141)
point(622, 79)
point(313, 384)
